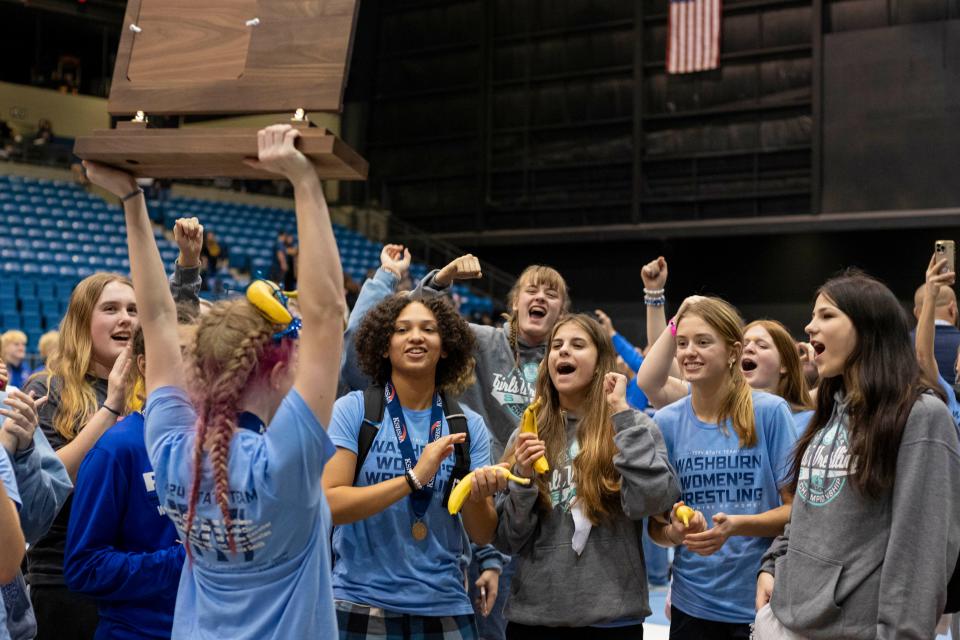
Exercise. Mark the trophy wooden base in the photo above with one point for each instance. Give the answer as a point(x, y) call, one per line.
point(211, 153)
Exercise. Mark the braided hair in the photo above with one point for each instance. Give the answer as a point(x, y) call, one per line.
point(234, 347)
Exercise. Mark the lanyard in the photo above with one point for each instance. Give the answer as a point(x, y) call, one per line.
point(419, 499)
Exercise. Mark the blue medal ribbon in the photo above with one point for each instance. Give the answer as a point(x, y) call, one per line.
point(419, 500)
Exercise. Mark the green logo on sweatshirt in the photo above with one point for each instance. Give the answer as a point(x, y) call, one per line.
point(516, 389)
point(825, 467)
point(563, 489)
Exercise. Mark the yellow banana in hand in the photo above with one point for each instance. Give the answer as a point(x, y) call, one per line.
point(685, 513)
point(528, 424)
point(461, 492)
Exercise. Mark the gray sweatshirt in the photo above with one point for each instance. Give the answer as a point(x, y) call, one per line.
point(502, 389)
point(554, 586)
point(851, 567)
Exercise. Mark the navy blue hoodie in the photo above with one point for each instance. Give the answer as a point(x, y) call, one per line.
point(122, 549)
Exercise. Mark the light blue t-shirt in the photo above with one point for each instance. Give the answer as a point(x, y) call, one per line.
point(8, 478)
point(277, 585)
point(952, 403)
point(716, 476)
point(10, 484)
point(377, 562)
point(801, 420)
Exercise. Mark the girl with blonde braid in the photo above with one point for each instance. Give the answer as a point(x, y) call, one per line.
point(238, 464)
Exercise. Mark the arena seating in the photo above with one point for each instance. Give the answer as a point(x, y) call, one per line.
point(55, 233)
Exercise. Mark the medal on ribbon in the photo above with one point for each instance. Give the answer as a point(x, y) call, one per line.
point(419, 500)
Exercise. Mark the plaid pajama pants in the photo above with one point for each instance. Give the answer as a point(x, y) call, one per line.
point(362, 622)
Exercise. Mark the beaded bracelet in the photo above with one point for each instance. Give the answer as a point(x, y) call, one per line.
point(413, 481)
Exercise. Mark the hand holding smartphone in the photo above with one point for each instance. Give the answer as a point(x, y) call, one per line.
point(946, 249)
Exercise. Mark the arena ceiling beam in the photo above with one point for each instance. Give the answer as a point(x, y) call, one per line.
point(824, 222)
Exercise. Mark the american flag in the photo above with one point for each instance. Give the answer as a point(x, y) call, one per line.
point(693, 36)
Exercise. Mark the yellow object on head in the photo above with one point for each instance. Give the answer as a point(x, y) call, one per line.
point(269, 299)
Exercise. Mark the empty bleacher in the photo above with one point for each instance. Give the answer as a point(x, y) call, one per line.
point(55, 233)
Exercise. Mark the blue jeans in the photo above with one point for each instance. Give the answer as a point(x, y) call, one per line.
point(493, 626)
point(657, 562)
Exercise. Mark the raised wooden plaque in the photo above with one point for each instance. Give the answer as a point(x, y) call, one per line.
point(184, 57)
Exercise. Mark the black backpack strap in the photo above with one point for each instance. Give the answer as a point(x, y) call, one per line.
point(457, 422)
point(373, 406)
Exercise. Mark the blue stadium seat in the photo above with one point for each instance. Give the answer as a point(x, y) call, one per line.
point(47, 294)
point(26, 288)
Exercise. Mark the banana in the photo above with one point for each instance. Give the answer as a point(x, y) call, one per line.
point(685, 513)
point(529, 425)
point(262, 294)
point(460, 492)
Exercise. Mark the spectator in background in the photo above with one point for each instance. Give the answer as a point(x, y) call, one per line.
point(350, 289)
point(283, 268)
point(8, 139)
point(215, 256)
point(13, 346)
point(937, 277)
point(47, 344)
point(44, 134)
point(292, 249)
point(947, 339)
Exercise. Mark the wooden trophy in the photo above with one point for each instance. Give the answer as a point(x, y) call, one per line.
point(189, 57)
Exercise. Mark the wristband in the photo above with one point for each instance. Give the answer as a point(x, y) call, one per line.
point(673, 327)
point(132, 194)
point(113, 411)
point(413, 481)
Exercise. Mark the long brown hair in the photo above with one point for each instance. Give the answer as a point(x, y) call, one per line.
point(881, 381)
point(535, 274)
point(791, 386)
point(69, 363)
point(597, 480)
point(737, 406)
point(233, 347)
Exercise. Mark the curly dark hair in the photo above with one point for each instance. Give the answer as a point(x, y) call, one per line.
point(454, 372)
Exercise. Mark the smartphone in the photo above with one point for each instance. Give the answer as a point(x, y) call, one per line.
point(946, 249)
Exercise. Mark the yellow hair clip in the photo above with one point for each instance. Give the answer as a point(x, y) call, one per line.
point(267, 297)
